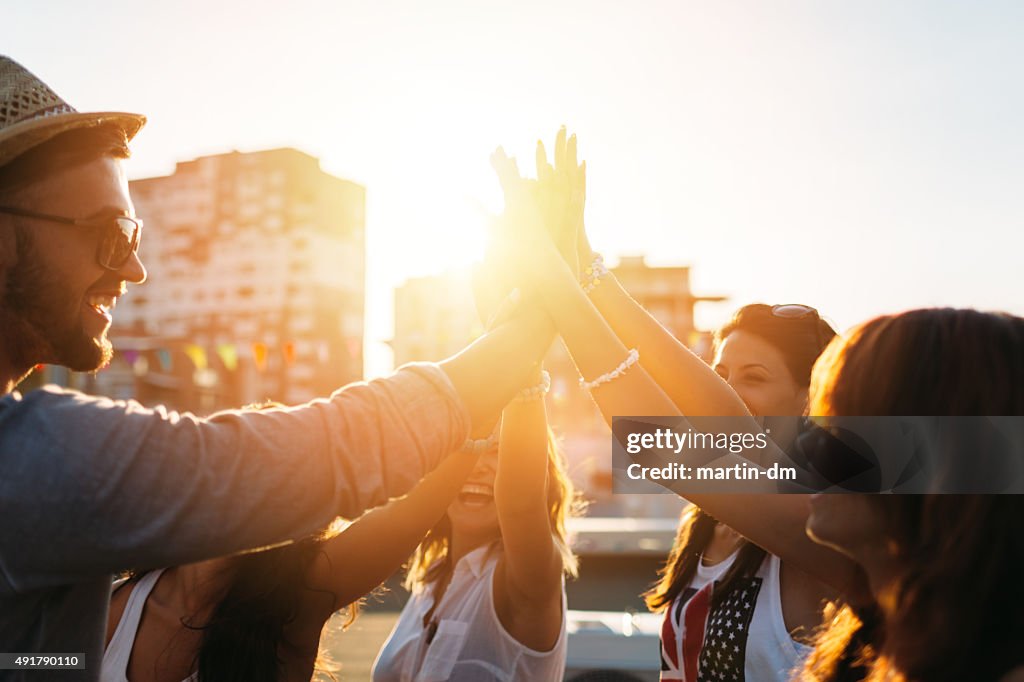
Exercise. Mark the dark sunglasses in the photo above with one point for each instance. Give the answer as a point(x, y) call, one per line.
point(119, 235)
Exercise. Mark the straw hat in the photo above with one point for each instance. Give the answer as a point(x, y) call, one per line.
point(31, 113)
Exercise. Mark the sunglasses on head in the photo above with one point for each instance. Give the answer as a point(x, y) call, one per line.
point(119, 235)
point(793, 311)
point(799, 311)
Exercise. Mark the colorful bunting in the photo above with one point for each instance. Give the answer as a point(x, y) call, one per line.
point(197, 354)
point(228, 354)
point(164, 357)
point(259, 355)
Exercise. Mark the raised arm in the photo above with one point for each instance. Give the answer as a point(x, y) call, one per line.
point(374, 546)
point(692, 385)
point(160, 488)
point(773, 521)
point(528, 582)
point(545, 277)
point(533, 564)
point(488, 372)
point(685, 378)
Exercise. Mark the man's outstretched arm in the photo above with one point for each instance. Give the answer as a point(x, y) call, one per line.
point(91, 486)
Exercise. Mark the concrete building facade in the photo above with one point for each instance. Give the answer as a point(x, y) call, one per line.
point(256, 283)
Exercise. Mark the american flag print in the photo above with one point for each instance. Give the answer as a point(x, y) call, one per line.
point(704, 644)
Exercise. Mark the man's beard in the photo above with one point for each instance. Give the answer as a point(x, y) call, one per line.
point(40, 322)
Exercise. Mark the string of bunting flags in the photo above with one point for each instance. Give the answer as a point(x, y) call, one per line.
point(264, 356)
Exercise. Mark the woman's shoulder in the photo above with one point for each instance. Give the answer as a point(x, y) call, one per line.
point(120, 592)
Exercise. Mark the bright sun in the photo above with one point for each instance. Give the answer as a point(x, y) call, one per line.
point(429, 213)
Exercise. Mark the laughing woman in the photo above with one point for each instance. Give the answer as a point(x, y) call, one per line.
point(488, 588)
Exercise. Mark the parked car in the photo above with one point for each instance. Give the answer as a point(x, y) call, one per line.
point(611, 636)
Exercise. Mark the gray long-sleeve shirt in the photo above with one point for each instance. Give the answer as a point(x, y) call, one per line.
point(91, 486)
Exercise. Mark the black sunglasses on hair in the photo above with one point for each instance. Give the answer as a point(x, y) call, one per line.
point(119, 235)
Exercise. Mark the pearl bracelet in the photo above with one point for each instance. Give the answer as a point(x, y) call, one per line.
point(480, 446)
point(536, 392)
point(631, 359)
point(593, 274)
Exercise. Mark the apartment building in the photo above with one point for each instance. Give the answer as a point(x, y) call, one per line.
point(256, 284)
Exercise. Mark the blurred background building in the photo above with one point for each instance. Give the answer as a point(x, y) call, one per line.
point(256, 286)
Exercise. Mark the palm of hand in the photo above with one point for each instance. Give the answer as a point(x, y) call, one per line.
point(520, 243)
point(544, 217)
point(561, 194)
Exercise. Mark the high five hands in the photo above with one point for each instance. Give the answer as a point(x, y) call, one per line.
point(560, 191)
point(541, 230)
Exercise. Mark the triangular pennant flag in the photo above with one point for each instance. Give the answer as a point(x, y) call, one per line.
point(259, 355)
point(164, 357)
point(197, 354)
point(228, 354)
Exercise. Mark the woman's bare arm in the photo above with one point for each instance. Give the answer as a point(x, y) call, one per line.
point(364, 555)
point(528, 581)
point(685, 378)
point(692, 385)
point(533, 564)
point(775, 522)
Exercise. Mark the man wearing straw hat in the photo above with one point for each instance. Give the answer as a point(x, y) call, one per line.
point(90, 486)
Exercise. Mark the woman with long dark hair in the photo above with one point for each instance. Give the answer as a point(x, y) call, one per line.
point(944, 570)
point(765, 353)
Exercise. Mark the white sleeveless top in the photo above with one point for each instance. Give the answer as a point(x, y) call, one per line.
point(744, 639)
point(469, 643)
point(115, 659)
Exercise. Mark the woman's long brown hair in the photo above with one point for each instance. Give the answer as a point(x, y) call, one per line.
point(243, 634)
point(696, 529)
point(955, 609)
point(246, 631)
point(800, 341)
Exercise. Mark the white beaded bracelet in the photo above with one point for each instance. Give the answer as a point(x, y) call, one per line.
point(480, 446)
point(631, 359)
point(536, 392)
point(593, 274)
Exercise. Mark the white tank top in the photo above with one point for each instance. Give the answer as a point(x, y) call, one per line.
point(115, 659)
point(742, 640)
point(469, 643)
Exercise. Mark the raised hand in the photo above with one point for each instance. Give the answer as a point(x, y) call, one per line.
point(561, 189)
point(521, 241)
point(494, 293)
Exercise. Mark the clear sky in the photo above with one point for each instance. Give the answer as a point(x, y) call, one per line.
point(863, 157)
